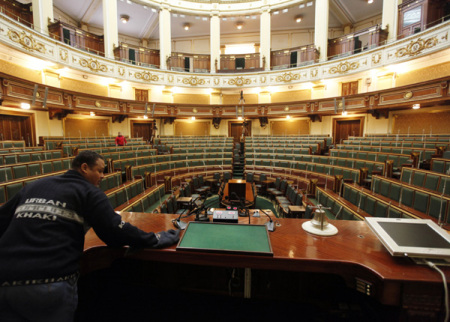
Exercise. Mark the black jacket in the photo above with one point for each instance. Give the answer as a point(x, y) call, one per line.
point(42, 228)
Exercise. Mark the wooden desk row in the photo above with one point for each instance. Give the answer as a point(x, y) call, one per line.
point(355, 254)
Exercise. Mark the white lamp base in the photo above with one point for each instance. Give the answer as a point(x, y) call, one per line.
point(328, 230)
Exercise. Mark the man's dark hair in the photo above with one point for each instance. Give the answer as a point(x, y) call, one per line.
point(88, 157)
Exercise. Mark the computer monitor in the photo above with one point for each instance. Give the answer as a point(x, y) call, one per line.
point(415, 238)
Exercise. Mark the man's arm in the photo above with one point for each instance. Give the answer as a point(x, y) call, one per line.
point(110, 228)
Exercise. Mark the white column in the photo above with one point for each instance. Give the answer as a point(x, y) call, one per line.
point(390, 18)
point(42, 15)
point(264, 30)
point(110, 29)
point(321, 28)
point(214, 36)
point(165, 38)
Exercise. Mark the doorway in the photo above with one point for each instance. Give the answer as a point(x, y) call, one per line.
point(235, 130)
point(17, 127)
point(345, 127)
point(142, 129)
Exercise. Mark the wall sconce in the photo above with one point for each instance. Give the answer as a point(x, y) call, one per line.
point(186, 26)
point(145, 116)
point(25, 106)
point(416, 106)
point(92, 114)
point(298, 19)
point(124, 18)
point(239, 25)
point(193, 118)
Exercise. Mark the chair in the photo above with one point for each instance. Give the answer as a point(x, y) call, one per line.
point(20, 171)
point(12, 189)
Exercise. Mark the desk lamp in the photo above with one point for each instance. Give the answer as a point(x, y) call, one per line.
point(319, 224)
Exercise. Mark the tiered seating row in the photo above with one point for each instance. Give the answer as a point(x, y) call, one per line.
point(398, 144)
point(7, 144)
point(424, 154)
point(426, 179)
point(22, 170)
point(427, 204)
point(440, 165)
point(322, 159)
point(21, 157)
point(398, 159)
point(306, 168)
point(9, 189)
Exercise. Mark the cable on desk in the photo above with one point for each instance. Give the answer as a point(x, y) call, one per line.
point(447, 311)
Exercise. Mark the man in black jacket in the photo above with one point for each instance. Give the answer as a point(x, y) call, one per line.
point(42, 232)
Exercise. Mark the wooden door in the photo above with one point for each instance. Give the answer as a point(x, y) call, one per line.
point(16, 127)
point(350, 88)
point(345, 127)
point(235, 130)
point(142, 130)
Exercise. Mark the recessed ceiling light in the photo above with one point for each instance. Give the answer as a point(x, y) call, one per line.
point(239, 25)
point(25, 106)
point(309, 4)
point(224, 19)
point(175, 14)
point(301, 6)
point(187, 26)
point(124, 18)
point(298, 19)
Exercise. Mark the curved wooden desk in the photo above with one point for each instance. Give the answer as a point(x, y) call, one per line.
point(355, 254)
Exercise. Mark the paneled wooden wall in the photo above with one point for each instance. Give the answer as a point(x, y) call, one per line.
point(85, 128)
point(196, 128)
point(421, 122)
point(294, 127)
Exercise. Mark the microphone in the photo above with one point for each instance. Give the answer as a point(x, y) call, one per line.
point(180, 224)
point(242, 203)
point(270, 224)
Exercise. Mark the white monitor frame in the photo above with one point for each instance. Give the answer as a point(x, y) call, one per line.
point(396, 250)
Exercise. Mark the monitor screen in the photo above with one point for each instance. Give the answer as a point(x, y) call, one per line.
point(236, 189)
point(411, 237)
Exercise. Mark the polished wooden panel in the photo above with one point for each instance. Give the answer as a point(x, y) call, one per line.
point(20, 12)
point(77, 37)
point(142, 56)
point(355, 254)
point(417, 15)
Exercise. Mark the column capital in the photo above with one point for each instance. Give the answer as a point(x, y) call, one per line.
point(265, 9)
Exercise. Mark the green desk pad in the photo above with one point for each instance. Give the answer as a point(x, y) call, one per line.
point(229, 238)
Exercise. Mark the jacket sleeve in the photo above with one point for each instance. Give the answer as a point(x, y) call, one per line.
point(7, 212)
point(110, 227)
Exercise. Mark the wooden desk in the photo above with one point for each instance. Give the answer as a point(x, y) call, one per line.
point(355, 254)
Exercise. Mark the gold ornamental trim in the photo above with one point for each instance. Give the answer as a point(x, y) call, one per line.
point(343, 68)
point(146, 76)
point(193, 81)
point(287, 77)
point(415, 47)
point(408, 95)
point(376, 58)
point(27, 41)
point(239, 81)
point(63, 54)
point(93, 65)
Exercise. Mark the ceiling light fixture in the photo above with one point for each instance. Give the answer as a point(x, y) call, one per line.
point(298, 19)
point(187, 26)
point(369, 1)
point(193, 118)
point(25, 106)
point(145, 116)
point(124, 18)
point(239, 25)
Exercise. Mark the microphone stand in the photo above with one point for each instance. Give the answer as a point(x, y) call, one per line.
point(180, 224)
point(270, 224)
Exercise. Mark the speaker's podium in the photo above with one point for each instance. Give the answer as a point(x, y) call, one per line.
point(238, 192)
